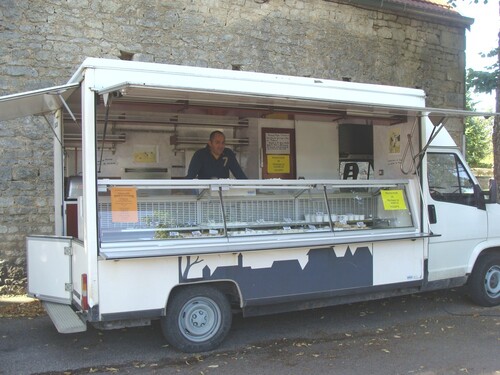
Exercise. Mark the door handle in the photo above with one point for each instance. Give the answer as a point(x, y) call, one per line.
point(432, 214)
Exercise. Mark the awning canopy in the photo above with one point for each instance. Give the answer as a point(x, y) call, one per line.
point(50, 99)
point(35, 102)
point(175, 97)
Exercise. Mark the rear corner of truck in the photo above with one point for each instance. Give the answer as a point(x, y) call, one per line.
point(50, 279)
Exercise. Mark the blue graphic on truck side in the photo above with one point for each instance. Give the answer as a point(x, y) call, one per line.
point(324, 271)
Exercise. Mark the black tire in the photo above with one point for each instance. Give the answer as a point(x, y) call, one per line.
point(484, 282)
point(198, 318)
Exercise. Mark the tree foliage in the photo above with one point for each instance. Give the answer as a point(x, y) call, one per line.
point(484, 81)
point(478, 147)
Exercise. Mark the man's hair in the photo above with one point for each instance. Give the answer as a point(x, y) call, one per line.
point(214, 133)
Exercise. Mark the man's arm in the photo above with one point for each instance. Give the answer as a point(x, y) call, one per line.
point(194, 166)
point(235, 167)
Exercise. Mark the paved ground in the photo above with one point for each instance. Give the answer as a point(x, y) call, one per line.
point(427, 334)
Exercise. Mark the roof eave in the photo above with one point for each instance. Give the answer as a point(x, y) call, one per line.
point(408, 9)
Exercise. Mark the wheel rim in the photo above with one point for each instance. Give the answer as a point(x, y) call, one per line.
point(492, 282)
point(199, 319)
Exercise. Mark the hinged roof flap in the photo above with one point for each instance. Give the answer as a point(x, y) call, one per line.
point(35, 102)
point(129, 91)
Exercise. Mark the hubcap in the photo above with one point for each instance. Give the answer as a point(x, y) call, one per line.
point(492, 282)
point(200, 319)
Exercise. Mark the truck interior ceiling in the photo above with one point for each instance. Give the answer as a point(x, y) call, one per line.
point(150, 132)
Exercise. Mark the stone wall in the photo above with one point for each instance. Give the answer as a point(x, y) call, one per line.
point(43, 41)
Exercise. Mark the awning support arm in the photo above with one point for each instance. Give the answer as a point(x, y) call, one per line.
point(69, 110)
point(107, 100)
point(52, 129)
point(409, 147)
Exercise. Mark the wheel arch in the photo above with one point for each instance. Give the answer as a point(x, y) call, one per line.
point(228, 287)
point(481, 249)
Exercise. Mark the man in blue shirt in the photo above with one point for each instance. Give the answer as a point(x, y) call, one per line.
point(215, 160)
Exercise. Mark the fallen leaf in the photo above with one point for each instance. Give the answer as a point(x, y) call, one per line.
point(300, 344)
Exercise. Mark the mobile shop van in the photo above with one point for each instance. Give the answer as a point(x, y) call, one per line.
point(355, 192)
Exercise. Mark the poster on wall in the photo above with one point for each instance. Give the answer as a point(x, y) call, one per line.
point(394, 146)
point(395, 141)
point(145, 154)
point(278, 145)
point(278, 164)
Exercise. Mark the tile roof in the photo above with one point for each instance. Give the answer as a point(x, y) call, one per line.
point(431, 5)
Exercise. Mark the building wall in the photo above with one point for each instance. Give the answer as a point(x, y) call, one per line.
point(43, 41)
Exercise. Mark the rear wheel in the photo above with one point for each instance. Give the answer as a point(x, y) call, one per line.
point(198, 319)
point(484, 282)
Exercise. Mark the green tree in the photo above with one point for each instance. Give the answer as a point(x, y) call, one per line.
point(478, 133)
point(488, 82)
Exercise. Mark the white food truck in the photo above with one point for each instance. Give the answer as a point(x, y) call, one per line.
point(354, 192)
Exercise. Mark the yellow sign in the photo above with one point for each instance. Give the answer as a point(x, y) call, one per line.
point(393, 200)
point(145, 154)
point(124, 205)
point(278, 163)
point(144, 157)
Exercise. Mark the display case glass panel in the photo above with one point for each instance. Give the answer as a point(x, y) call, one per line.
point(131, 211)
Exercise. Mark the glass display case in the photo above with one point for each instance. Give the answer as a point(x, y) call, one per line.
point(237, 210)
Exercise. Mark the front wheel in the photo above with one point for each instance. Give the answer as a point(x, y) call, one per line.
point(484, 282)
point(198, 319)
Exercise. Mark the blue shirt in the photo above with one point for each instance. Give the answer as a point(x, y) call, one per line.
point(203, 165)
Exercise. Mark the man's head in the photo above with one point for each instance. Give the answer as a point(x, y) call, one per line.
point(217, 143)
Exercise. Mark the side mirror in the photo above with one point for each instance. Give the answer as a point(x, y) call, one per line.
point(493, 191)
point(479, 197)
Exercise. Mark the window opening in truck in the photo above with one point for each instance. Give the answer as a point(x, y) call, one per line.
point(448, 179)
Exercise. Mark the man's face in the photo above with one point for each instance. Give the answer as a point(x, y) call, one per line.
point(217, 145)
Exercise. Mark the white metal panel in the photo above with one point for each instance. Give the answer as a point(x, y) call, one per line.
point(313, 136)
point(79, 267)
point(442, 139)
point(89, 171)
point(49, 268)
point(135, 285)
point(112, 73)
point(398, 261)
point(461, 229)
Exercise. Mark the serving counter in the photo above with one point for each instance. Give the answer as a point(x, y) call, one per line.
point(158, 217)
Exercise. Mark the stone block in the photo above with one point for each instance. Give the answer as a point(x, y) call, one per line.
point(23, 173)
